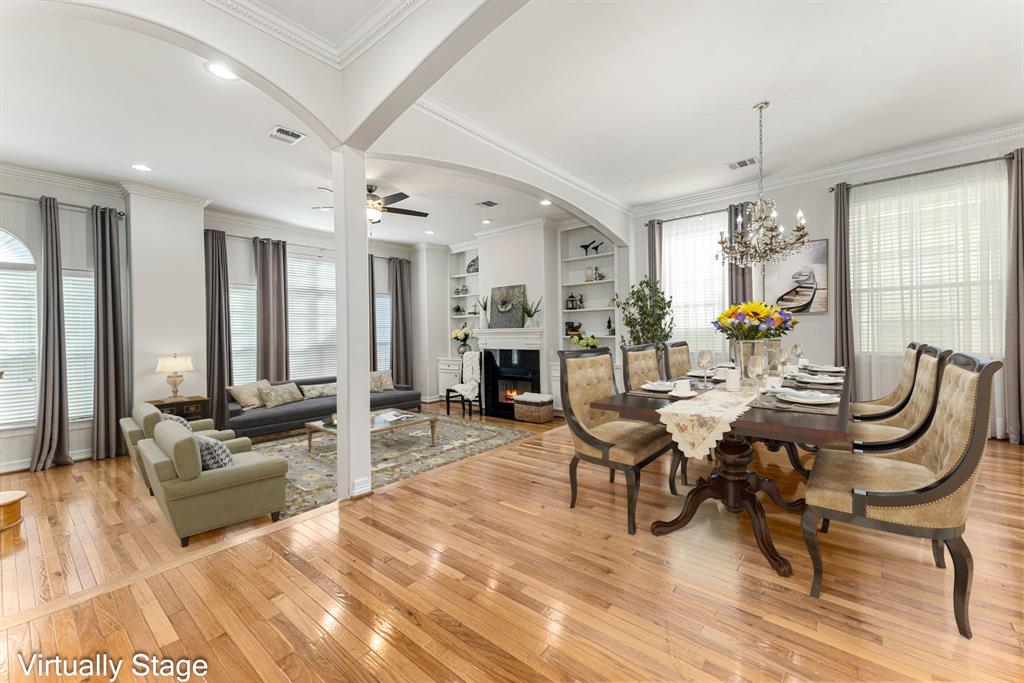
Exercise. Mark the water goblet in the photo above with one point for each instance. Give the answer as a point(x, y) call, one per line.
point(798, 353)
point(757, 367)
point(705, 359)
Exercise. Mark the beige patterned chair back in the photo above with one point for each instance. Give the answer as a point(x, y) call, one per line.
point(586, 380)
point(926, 382)
point(641, 366)
point(906, 382)
point(677, 360)
point(946, 442)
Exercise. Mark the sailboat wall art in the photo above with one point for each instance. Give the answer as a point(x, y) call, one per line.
point(800, 283)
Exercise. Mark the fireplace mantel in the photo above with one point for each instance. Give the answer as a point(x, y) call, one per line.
point(510, 338)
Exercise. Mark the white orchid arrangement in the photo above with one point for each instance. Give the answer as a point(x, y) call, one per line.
point(462, 334)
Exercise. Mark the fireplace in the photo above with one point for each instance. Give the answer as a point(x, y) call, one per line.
point(508, 373)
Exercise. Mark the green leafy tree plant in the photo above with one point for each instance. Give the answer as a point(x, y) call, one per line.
point(646, 313)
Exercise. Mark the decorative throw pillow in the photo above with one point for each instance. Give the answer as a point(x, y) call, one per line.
point(280, 394)
point(213, 454)
point(387, 381)
point(176, 418)
point(376, 382)
point(319, 390)
point(248, 395)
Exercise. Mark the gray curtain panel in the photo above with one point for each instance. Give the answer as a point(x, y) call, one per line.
point(654, 249)
point(741, 280)
point(271, 309)
point(52, 432)
point(844, 305)
point(1014, 361)
point(400, 280)
point(218, 325)
point(110, 401)
point(373, 315)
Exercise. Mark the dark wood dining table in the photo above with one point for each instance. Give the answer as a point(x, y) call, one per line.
point(732, 481)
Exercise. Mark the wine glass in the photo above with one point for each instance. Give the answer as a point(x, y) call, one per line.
point(798, 353)
point(757, 367)
point(782, 357)
point(705, 359)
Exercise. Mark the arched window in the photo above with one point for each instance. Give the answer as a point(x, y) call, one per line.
point(18, 334)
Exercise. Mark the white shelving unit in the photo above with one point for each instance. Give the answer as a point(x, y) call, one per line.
point(575, 268)
point(458, 261)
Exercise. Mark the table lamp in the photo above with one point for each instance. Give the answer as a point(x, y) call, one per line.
point(174, 365)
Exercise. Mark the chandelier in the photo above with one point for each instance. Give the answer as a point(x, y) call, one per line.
point(760, 238)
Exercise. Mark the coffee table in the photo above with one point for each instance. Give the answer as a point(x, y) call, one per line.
point(378, 425)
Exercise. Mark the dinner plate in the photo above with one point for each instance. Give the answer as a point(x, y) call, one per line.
point(824, 368)
point(658, 386)
point(697, 374)
point(807, 397)
point(818, 379)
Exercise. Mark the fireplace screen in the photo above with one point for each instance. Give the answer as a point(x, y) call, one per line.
point(507, 374)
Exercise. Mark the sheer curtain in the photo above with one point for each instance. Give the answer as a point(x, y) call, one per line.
point(928, 263)
point(695, 279)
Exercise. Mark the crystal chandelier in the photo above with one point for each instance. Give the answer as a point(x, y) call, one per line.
point(764, 239)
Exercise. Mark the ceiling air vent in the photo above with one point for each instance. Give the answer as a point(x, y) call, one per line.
point(743, 163)
point(488, 203)
point(282, 134)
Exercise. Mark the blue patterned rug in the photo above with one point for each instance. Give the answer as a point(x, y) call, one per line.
point(395, 455)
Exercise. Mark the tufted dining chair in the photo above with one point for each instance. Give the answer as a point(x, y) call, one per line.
point(894, 401)
point(913, 420)
point(677, 360)
point(922, 489)
point(601, 437)
point(640, 365)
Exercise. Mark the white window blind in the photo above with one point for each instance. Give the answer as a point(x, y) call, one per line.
point(382, 310)
point(80, 342)
point(927, 263)
point(18, 333)
point(312, 310)
point(695, 279)
point(242, 301)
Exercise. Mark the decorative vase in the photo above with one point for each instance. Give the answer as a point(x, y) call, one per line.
point(532, 322)
point(463, 348)
point(742, 352)
point(483, 323)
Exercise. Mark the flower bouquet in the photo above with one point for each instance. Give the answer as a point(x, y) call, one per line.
point(462, 336)
point(584, 342)
point(751, 327)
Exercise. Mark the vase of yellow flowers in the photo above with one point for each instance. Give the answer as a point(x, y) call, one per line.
point(750, 327)
point(462, 335)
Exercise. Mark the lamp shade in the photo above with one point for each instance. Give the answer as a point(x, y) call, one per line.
point(174, 363)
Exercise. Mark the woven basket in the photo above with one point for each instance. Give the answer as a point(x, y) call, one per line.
point(534, 412)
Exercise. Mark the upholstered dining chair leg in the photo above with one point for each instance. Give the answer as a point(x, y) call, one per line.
point(809, 526)
point(573, 465)
point(611, 475)
point(938, 553)
point(963, 568)
point(448, 404)
point(632, 491)
point(824, 526)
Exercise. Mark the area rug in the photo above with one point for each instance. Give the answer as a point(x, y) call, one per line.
point(395, 455)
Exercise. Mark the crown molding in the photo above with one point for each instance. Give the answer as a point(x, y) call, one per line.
point(358, 40)
point(159, 193)
point(452, 118)
point(463, 246)
point(22, 173)
point(252, 221)
point(512, 227)
point(910, 154)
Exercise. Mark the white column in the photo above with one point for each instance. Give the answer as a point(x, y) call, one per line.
point(351, 246)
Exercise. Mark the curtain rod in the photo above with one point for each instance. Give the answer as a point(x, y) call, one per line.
point(305, 246)
point(694, 215)
point(120, 214)
point(934, 170)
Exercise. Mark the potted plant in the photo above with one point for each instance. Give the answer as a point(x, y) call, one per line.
point(585, 342)
point(530, 313)
point(462, 336)
point(484, 321)
point(646, 313)
point(749, 326)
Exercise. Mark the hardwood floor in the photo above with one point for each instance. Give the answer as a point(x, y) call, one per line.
point(480, 571)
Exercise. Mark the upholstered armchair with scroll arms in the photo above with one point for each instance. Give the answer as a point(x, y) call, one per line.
point(922, 489)
point(913, 420)
point(640, 365)
point(601, 437)
point(896, 399)
point(140, 424)
point(676, 362)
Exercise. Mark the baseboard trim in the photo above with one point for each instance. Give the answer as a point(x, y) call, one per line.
point(361, 487)
point(430, 399)
point(24, 464)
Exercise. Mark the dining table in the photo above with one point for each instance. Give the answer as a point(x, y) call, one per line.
point(731, 480)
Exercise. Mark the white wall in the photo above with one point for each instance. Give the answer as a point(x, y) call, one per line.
point(816, 332)
point(22, 218)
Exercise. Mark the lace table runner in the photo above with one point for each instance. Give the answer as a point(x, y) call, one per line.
point(697, 425)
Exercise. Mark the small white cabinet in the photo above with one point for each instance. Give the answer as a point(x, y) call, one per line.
point(449, 372)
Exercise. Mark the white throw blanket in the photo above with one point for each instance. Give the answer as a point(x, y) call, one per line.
point(469, 388)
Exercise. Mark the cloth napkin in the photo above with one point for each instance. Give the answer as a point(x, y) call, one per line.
point(697, 425)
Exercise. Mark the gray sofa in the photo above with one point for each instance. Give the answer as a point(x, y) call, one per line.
point(262, 421)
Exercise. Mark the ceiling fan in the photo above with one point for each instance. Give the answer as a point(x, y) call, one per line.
point(377, 206)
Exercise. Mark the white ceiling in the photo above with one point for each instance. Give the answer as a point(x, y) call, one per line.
point(97, 99)
point(652, 100)
point(335, 22)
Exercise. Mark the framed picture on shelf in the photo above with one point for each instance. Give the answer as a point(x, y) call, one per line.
point(800, 283)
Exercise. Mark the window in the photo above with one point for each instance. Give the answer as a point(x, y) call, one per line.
point(382, 310)
point(927, 263)
point(312, 310)
point(80, 341)
point(695, 279)
point(18, 340)
point(242, 302)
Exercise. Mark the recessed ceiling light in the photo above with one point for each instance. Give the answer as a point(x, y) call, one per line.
point(428, 232)
point(486, 221)
point(221, 70)
point(142, 167)
point(545, 202)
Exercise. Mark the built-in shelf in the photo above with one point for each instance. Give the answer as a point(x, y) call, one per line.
point(587, 310)
point(466, 316)
point(590, 257)
point(584, 284)
point(462, 275)
point(463, 296)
